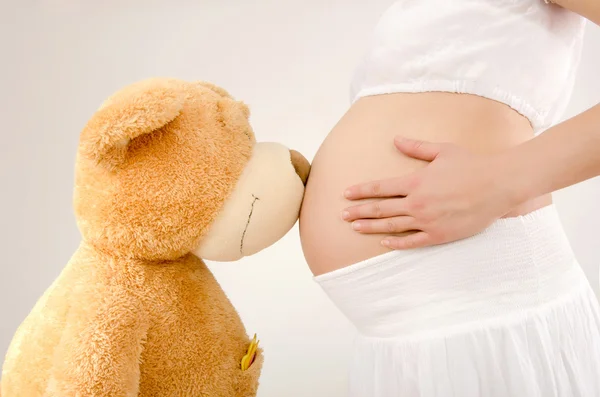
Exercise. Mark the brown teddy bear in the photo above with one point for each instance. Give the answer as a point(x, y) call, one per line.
point(167, 172)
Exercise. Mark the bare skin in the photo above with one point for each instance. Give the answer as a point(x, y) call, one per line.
point(360, 149)
point(460, 192)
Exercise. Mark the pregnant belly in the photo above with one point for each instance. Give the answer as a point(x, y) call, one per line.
point(360, 148)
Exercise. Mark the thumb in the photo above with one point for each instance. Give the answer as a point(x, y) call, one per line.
point(421, 150)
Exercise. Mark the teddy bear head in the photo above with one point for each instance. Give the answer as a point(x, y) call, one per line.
point(167, 167)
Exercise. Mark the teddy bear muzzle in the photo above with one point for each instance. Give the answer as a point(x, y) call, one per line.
point(263, 206)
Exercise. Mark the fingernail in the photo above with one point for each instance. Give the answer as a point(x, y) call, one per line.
point(345, 215)
point(347, 193)
point(356, 225)
point(385, 243)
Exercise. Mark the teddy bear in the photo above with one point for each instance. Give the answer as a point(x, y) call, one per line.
point(167, 172)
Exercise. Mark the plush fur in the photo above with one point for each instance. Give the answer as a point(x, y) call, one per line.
point(164, 168)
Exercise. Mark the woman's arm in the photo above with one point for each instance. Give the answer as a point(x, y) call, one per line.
point(567, 153)
point(564, 155)
point(460, 193)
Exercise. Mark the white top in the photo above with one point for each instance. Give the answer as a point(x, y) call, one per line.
point(523, 53)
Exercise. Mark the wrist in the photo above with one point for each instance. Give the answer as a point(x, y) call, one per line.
point(516, 180)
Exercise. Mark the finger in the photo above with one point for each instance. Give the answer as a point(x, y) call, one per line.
point(421, 150)
point(377, 189)
point(397, 224)
point(376, 209)
point(416, 240)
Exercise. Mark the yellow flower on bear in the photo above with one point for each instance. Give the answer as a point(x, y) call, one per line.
point(250, 355)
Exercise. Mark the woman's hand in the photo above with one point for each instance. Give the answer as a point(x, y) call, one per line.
point(457, 195)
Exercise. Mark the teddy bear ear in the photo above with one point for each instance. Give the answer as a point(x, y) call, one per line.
point(227, 101)
point(220, 91)
point(137, 109)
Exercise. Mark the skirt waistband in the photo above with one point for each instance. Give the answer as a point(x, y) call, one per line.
point(514, 265)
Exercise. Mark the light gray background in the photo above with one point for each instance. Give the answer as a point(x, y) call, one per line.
point(289, 60)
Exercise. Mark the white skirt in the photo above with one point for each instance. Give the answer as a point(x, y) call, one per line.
point(505, 313)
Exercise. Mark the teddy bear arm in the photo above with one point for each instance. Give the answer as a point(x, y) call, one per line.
point(102, 359)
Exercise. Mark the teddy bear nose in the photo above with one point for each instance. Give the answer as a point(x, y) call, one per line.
point(301, 165)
